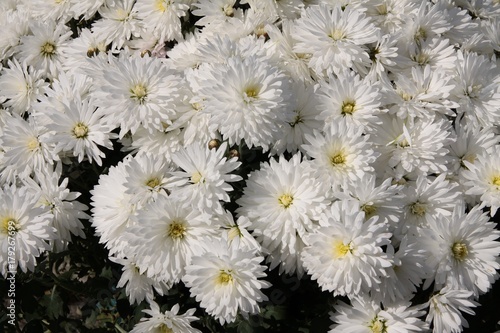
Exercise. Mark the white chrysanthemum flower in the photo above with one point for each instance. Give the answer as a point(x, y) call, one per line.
point(173, 231)
point(42, 50)
point(348, 97)
point(477, 89)
point(391, 16)
point(346, 255)
point(166, 322)
point(205, 176)
point(335, 37)
point(483, 178)
point(304, 121)
point(283, 202)
point(25, 149)
point(23, 226)
point(20, 86)
point(236, 233)
point(463, 250)
point(383, 55)
point(226, 281)
point(52, 10)
point(424, 94)
point(143, 88)
point(341, 155)
point(139, 287)
point(112, 207)
point(158, 143)
point(436, 53)
point(215, 11)
point(248, 100)
point(148, 176)
point(118, 23)
point(67, 211)
point(78, 130)
point(445, 310)
point(366, 315)
point(15, 25)
point(162, 17)
point(428, 198)
point(419, 147)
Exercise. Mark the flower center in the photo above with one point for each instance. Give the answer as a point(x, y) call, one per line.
point(348, 107)
point(80, 130)
point(225, 277)
point(33, 144)
point(337, 159)
point(162, 5)
point(177, 230)
point(285, 200)
point(421, 34)
point(336, 34)
point(422, 59)
point(9, 224)
point(418, 208)
point(228, 10)
point(197, 106)
point(496, 181)
point(165, 329)
point(297, 120)
point(340, 250)
point(48, 49)
point(139, 92)
point(196, 177)
point(460, 251)
point(251, 93)
point(153, 182)
point(368, 209)
point(378, 325)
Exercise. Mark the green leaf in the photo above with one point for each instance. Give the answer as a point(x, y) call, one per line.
point(53, 304)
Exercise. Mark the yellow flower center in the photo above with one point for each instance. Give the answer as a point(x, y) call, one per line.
point(285, 200)
point(382, 9)
point(165, 329)
point(348, 107)
point(418, 208)
point(338, 159)
point(9, 224)
point(250, 94)
point(196, 177)
point(378, 325)
point(336, 34)
point(139, 92)
point(153, 182)
point(48, 49)
point(33, 144)
point(496, 181)
point(177, 230)
point(225, 277)
point(228, 10)
point(234, 232)
point(162, 5)
point(422, 59)
point(368, 209)
point(460, 251)
point(80, 130)
point(420, 34)
point(340, 250)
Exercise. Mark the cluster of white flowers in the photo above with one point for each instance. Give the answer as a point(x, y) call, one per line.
point(379, 117)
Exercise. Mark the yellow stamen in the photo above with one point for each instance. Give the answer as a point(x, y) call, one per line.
point(80, 130)
point(177, 230)
point(225, 277)
point(285, 200)
point(340, 250)
point(460, 251)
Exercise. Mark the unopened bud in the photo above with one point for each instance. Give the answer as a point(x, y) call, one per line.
point(234, 153)
point(214, 143)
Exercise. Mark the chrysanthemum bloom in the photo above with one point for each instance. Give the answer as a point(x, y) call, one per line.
point(166, 322)
point(383, 55)
point(49, 10)
point(367, 316)
point(25, 149)
point(437, 53)
point(390, 16)
point(420, 147)
point(167, 232)
point(335, 37)
point(158, 143)
point(477, 90)
point(463, 250)
point(283, 202)
point(162, 17)
point(20, 86)
point(214, 12)
point(427, 22)
point(346, 256)
point(483, 178)
point(25, 230)
point(143, 88)
point(67, 211)
point(15, 24)
point(248, 100)
point(78, 50)
point(119, 22)
point(304, 121)
point(226, 281)
point(79, 130)
point(42, 50)
point(348, 97)
point(342, 154)
point(205, 176)
point(139, 287)
point(445, 310)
